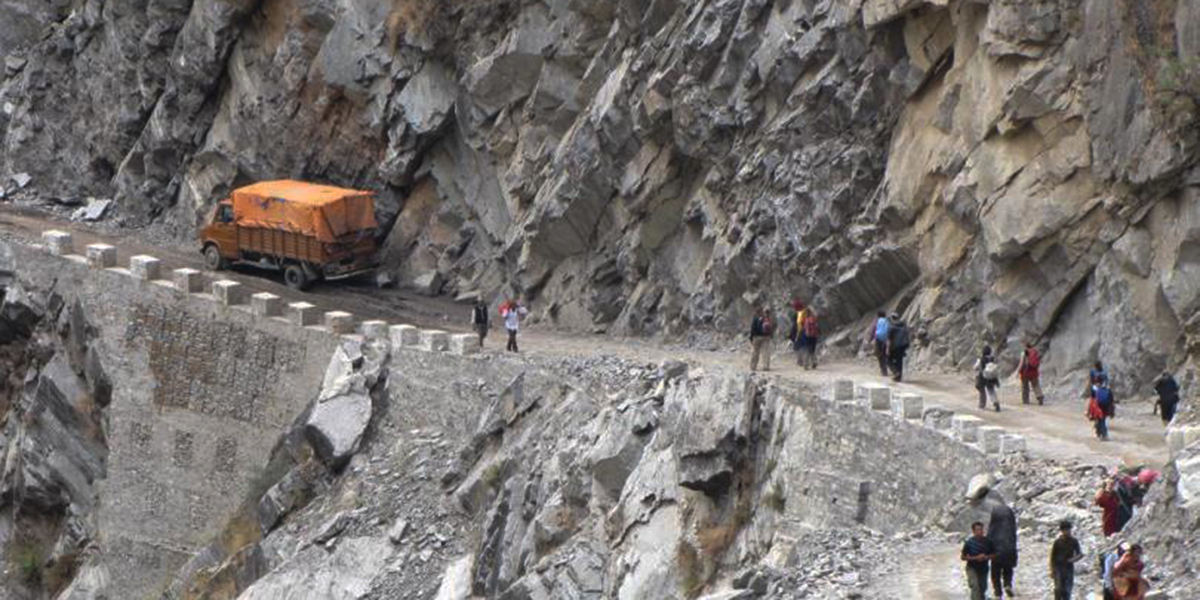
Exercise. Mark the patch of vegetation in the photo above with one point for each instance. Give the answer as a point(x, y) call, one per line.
point(59, 573)
point(691, 570)
point(493, 476)
point(775, 498)
point(27, 561)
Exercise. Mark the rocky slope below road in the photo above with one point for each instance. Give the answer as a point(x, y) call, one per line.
point(994, 170)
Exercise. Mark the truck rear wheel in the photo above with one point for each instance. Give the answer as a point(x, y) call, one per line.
point(295, 277)
point(213, 259)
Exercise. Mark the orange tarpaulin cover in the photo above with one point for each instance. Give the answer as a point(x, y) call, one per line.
point(321, 211)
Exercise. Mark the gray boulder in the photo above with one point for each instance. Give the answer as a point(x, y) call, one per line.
point(336, 427)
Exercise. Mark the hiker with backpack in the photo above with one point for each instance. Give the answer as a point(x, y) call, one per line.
point(897, 345)
point(1101, 407)
point(761, 330)
point(987, 379)
point(1095, 375)
point(1168, 397)
point(795, 336)
point(1002, 531)
point(1029, 370)
point(879, 335)
point(479, 320)
point(809, 334)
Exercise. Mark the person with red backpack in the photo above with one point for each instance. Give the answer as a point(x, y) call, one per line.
point(1029, 370)
point(1101, 407)
point(761, 331)
point(810, 333)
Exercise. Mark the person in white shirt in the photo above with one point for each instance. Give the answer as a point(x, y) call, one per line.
point(512, 313)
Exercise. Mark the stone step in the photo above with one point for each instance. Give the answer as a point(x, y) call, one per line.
point(966, 427)
point(988, 437)
point(878, 397)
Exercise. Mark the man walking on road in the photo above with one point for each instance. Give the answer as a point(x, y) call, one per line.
point(881, 337)
point(1168, 397)
point(512, 313)
point(479, 320)
point(1002, 531)
point(1030, 373)
point(977, 550)
point(987, 379)
point(761, 330)
point(809, 335)
point(897, 345)
point(1063, 555)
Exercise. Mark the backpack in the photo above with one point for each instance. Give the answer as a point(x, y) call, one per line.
point(901, 341)
point(990, 370)
point(810, 327)
point(1104, 397)
point(1032, 359)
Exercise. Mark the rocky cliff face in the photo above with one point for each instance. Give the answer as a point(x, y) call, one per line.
point(995, 170)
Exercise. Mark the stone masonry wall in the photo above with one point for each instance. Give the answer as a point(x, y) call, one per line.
point(202, 391)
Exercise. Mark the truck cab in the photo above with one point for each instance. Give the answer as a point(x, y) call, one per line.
point(219, 237)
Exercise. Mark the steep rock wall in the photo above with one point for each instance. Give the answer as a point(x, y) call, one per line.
point(994, 170)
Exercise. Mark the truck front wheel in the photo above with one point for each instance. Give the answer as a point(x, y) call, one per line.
point(295, 277)
point(213, 259)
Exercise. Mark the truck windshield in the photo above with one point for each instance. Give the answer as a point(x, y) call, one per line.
point(224, 214)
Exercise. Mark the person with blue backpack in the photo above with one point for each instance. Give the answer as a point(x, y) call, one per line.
point(1101, 407)
point(881, 342)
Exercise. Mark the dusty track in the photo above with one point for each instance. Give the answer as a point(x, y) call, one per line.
point(1057, 430)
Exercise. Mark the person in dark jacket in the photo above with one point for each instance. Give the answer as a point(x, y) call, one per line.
point(897, 345)
point(479, 320)
point(1168, 397)
point(1002, 531)
point(1064, 553)
point(761, 330)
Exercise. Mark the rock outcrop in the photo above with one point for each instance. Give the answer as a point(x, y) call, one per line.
point(997, 171)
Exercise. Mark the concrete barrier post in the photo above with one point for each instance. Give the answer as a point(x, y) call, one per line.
point(145, 268)
point(375, 330)
point(266, 305)
point(58, 242)
point(227, 292)
point(464, 344)
point(966, 428)
point(339, 321)
point(843, 390)
point(989, 438)
point(1012, 444)
point(188, 281)
point(908, 406)
point(879, 397)
point(938, 418)
point(433, 340)
point(303, 314)
point(404, 336)
point(101, 256)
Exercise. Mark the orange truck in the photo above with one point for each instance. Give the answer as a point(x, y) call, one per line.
point(310, 232)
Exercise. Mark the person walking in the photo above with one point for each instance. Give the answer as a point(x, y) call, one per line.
point(1128, 583)
point(976, 552)
point(897, 345)
point(1002, 531)
point(479, 320)
point(1109, 564)
point(1101, 407)
point(811, 334)
point(761, 330)
point(881, 340)
point(1109, 504)
point(1064, 553)
point(987, 378)
point(1096, 375)
point(1029, 370)
point(512, 312)
point(796, 335)
point(1168, 397)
